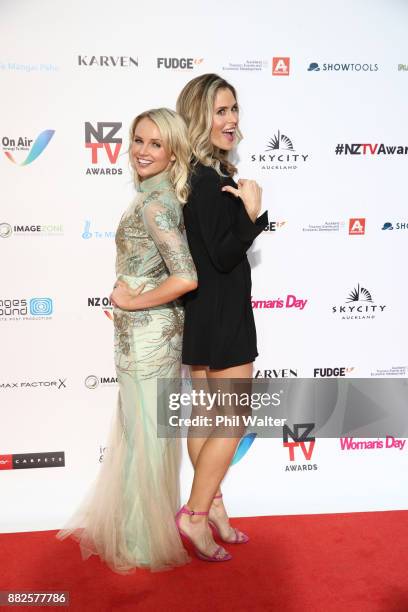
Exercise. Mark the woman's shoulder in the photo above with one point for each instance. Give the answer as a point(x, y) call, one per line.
point(207, 175)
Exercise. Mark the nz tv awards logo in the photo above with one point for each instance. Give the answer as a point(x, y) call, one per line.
point(14, 148)
point(280, 153)
point(300, 447)
point(104, 144)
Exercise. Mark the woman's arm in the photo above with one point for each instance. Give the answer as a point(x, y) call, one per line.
point(226, 241)
point(162, 224)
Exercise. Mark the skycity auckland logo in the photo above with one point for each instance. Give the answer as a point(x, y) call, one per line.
point(280, 154)
point(359, 305)
point(11, 146)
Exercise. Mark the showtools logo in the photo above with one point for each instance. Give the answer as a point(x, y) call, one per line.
point(370, 149)
point(22, 143)
point(300, 440)
point(280, 66)
point(179, 63)
point(363, 306)
point(103, 136)
point(18, 309)
point(277, 152)
point(389, 226)
point(315, 67)
point(108, 61)
point(32, 460)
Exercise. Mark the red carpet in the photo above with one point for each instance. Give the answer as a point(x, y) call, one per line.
point(319, 563)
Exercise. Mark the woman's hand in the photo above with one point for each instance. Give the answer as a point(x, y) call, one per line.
point(251, 195)
point(124, 297)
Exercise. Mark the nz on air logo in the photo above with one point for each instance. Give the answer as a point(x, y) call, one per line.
point(280, 150)
point(11, 146)
point(104, 144)
point(280, 66)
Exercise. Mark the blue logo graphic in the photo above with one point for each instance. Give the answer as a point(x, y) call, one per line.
point(314, 66)
point(387, 226)
point(41, 307)
point(243, 447)
point(86, 233)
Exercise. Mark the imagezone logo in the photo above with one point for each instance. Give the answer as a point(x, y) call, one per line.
point(23, 461)
point(279, 373)
point(11, 146)
point(302, 444)
point(178, 63)
point(331, 372)
point(338, 67)
point(108, 61)
point(357, 226)
point(92, 381)
point(370, 149)
point(359, 305)
point(280, 150)
point(7, 230)
point(103, 139)
point(280, 66)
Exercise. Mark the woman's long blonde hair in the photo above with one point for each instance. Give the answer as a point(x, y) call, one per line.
point(173, 130)
point(196, 105)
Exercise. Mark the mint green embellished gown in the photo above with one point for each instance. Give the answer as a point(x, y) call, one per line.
point(128, 517)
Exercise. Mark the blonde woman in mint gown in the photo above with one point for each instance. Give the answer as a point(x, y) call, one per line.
point(128, 516)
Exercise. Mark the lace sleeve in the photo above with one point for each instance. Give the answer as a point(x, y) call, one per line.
point(162, 222)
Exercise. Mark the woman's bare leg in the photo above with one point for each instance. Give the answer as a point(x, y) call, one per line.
point(211, 458)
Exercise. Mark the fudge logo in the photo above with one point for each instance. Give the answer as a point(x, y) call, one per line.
point(104, 143)
point(331, 372)
point(22, 144)
point(357, 226)
point(280, 66)
point(359, 305)
point(273, 226)
point(178, 63)
point(107, 61)
point(279, 154)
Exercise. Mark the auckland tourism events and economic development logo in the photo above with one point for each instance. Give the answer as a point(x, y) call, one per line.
point(280, 153)
point(104, 145)
point(342, 67)
point(359, 304)
point(22, 151)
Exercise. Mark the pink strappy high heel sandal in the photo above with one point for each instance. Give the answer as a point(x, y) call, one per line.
point(216, 556)
point(238, 540)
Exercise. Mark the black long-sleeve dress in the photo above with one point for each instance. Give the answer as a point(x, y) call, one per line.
point(219, 329)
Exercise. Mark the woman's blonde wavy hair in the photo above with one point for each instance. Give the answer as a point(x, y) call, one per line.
point(196, 105)
point(173, 130)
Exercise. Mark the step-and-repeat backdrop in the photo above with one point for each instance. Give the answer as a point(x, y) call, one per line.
point(323, 112)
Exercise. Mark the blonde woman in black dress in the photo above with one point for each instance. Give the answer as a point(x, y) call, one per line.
point(221, 220)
